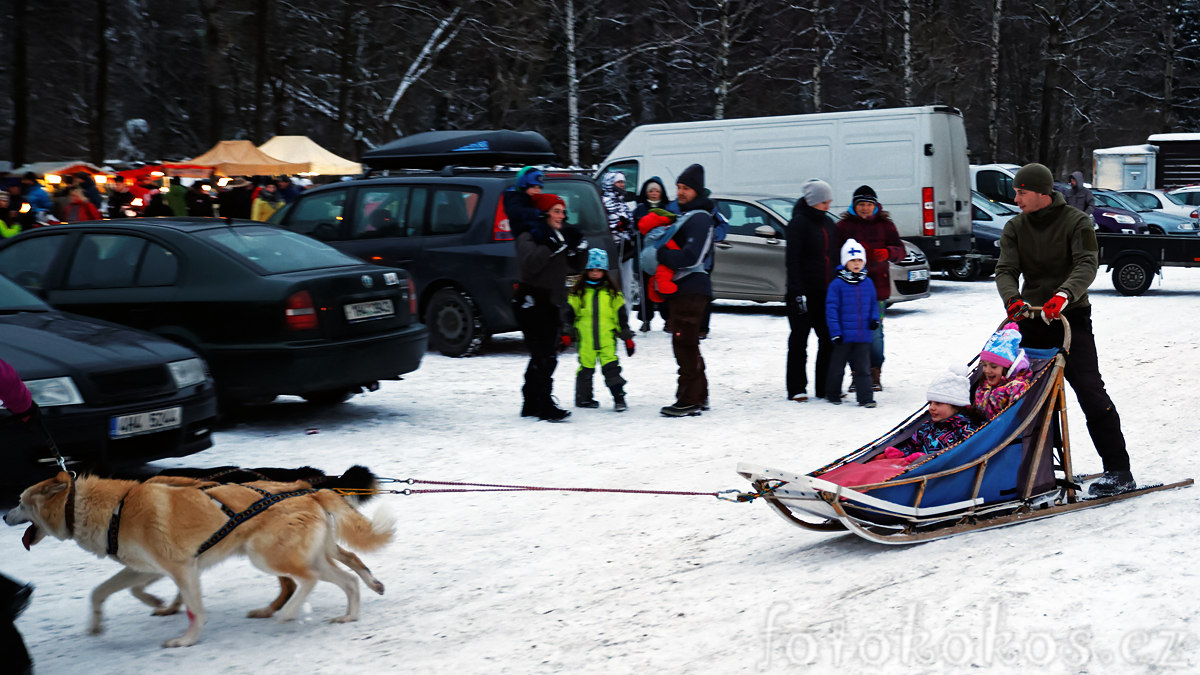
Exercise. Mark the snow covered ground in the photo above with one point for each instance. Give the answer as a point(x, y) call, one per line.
point(541, 582)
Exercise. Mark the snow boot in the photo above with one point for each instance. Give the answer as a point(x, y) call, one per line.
point(583, 388)
point(619, 404)
point(875, 386)
point(550, 412)
point(680, 410)
point(614, 382)
point(1112, 483)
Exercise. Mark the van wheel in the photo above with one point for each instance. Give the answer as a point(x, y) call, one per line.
point(967, 270)
point(454, 325)
point(1132, 277)
point(328, 397)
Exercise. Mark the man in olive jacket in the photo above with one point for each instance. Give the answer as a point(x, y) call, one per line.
point(1053, 245)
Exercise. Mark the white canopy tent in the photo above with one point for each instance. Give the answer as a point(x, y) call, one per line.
point(303, 150)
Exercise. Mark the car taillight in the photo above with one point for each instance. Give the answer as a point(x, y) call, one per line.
point(412, 297)
point(300, 313)
point(500, 229)
point(927, 212)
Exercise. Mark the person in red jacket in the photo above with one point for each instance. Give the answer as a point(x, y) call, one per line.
point(867, 222)
point(79, 208)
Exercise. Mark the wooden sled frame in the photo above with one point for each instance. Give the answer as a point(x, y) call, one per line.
point(822, 499)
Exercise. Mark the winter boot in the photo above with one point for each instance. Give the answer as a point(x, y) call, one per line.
point(680, 410)
point(583, 389)
point(875, 386)
point(550, 412)
point(619, 403)
point(615, 383)
point(1112, 483)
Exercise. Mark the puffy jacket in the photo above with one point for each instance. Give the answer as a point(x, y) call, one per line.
point(811, 251)
point(850, 306)
point(1079, 196)
point(695, 239)
point(599, 315)
point(876, 233)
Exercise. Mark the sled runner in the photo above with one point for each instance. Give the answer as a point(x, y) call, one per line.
point(1014, 468)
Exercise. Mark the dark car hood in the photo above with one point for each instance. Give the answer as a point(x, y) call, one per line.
point(42, 344)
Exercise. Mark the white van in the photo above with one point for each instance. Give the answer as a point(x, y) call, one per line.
point(995, 181)
point(914, 158)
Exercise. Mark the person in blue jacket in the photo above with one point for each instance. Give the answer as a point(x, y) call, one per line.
point(852, 314)
point(517, 200)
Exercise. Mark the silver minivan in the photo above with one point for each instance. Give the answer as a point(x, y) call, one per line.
point(750, 263)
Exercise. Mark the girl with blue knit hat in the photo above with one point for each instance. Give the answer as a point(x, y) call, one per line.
point(1005, 371)
point(600, 319)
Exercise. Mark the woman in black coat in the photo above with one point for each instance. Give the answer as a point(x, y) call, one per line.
point(546, 255)
point(812, 252)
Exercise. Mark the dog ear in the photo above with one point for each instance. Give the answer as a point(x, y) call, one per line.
point(61, 482)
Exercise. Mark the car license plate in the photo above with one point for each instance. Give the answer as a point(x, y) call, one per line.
point(918, 275)
point(362, 311)
point(145, 423)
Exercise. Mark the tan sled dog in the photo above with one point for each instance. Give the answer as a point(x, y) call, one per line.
point(159, 529)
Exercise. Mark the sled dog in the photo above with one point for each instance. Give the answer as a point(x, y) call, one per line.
point(155, 529)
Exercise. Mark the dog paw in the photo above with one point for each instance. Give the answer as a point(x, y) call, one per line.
point(95, 629)
point(165, 611)
point(182, 641)
point(376, 586)
point(343, 619)
point(263, 613)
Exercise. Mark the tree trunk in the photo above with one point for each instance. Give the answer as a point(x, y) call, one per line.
point(819, 61)
point(212, 71)
point(1170, 17)
point(100, 95)
point(20, 86)
point(993, 129)
point(262, 65)
point(572, 86)
point(348, 49)
point(906, 55)
point(723, 48)
point(1052, 64)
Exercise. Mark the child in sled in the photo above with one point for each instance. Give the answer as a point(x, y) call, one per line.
point(1005, 371)
point(600, 318)
point(951, 419)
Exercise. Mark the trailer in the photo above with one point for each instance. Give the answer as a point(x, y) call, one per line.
point(1134, 259)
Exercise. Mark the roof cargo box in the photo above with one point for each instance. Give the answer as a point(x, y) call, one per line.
point(437, 149)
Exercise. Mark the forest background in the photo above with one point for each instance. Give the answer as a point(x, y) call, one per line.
point(1045, 81)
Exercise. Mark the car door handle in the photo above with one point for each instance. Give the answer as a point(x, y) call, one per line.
point(721, 244)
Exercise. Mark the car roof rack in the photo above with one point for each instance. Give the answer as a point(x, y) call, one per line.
point(448, 150)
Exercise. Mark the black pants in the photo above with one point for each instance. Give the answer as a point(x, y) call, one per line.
point(687, 312)
point(541, 326)
point(1083, 374)
point(797, 358)
point(858, 355)
point(647, 307)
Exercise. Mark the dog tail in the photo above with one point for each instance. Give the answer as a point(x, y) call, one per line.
point(354, 528)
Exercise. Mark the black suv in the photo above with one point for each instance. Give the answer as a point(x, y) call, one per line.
point(446, 227)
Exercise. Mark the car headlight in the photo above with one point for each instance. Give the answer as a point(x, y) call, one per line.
point(187, 372)
point(1187, 226)
point(1122, 218)
point(54, 391)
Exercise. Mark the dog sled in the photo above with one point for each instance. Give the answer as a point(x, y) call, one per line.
point(1014, 468)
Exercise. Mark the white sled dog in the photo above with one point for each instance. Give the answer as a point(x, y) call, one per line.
point(156, 529)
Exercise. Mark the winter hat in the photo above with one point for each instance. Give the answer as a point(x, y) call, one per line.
point(693, 177)
point(1004, 347)
point(816, 191)
point(1035, 178)
point(611, 179)
point(528, 177)
point(597, 259)
point(545, 201)
point(864, 193)
point(951, 387)
point(852, 250)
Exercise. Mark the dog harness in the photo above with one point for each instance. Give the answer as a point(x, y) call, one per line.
point(237, 518)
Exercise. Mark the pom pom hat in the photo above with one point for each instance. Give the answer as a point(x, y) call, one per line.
point(1004, 347)
point(951, 387)
point(852, 250)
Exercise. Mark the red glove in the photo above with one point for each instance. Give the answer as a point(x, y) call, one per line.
point(1052, 308)
point(564, 343)
point(629, 346)
point(879, 254)
point(1017, 309)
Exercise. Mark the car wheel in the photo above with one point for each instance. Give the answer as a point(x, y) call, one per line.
point(330, 396)
point(454, 325)
point(1132, 277)
point(967, 270)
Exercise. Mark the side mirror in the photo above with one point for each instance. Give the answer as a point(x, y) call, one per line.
point(766, 232)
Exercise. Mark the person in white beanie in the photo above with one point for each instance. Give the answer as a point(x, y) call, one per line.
point(951, 417)
point(851, 313)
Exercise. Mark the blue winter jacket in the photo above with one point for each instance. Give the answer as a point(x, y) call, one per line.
point(850, 306)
